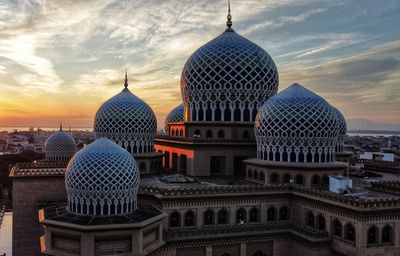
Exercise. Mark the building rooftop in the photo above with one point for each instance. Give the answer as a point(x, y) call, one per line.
point(60, 213)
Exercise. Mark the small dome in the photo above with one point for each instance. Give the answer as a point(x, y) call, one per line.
point(227, 79)
point(296, 125)
point(342, 131)
point(128, 121)
point(102, 179)
point(176, 115)
point(60, 147)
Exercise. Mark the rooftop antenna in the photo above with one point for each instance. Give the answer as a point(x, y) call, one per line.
point(229, 17)
point(126, 78)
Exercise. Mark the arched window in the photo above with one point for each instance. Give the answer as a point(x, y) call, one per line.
point(175, 220)
point(254, 215)
point(316, 181)
point(372, 235)
point(180, 133)
point(197, 134)
point(300, 179)
point(337, 228)
point(284, 213)
point(221, 134)
point(325, 180)
point(321, 222)
point(223, 216)
point(274, 178)
point(209, 217)
point(241, 216)
point(286, 178)
point(271, 214)
point(189, 218)
point(310, 220)
point(262, 176)
point(246, 134)
point(209, 134)
point(255, 175)
point(387, 234)
point(349, 232)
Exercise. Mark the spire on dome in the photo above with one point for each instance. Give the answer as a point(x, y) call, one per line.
point(229, 17)
point(60, 126)
point(126, 78)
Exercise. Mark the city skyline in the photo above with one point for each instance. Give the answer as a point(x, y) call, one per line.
point(60, 61)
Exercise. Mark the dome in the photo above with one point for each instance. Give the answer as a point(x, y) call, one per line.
point(128, 121)
point(227, 79)
point(60, 147)
point(102, 179)
point(342, 131)
point(176, 115)
point(296, 125)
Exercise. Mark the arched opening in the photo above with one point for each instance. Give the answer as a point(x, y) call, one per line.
point(372, 235)
point(197, 134)
point(221, 134)
point(349, 232)
point(262, 176)
point(299, 179)
point(387, 234)
point(209, 134)
point(189, 218)
point(217, 114)
point(271, 214)
point(337, 228)
point(325, 180)
point(321, 223)
point(310, 220)
point(223, 216)
point(316, 181)
point(241, 216)
point(208, 115)
point(180, 133)
point(175, 220)
point(284, 213)
point(209, 217)
point(287, 178)
point(274, 178)
point(254, 215)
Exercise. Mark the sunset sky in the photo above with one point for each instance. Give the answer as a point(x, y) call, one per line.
point(59, 60)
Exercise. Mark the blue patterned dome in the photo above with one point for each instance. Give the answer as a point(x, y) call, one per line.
point(60, 147)
point(128, 121)
point(296, 125)
point(176, 115)
point(342, 131)
point(102, 179)
point(227, 79)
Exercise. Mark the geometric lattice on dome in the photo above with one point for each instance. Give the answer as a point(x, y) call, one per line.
point(227, 79)
point(102, 179)
point(296, 125)
point(176, 115)
point(342, 131)
point(128, 121)
point(60, 147)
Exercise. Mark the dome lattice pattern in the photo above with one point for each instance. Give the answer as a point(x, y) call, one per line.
point(296, 125)
point(176, 115)
point(60, 147)
point(342, 131)
point(227, 79)
point(102, 179)
point(128, 121)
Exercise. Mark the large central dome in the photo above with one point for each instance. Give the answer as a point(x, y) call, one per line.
point(227, 79)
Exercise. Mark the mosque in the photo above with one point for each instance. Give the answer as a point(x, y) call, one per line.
point(240, 170)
